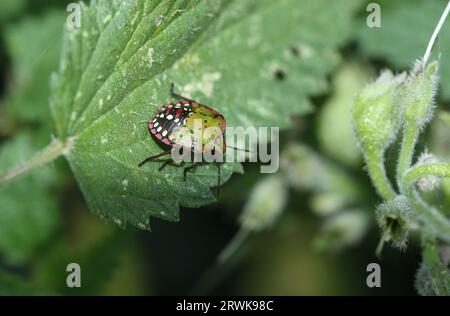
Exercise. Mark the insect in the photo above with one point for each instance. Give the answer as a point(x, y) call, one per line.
point(174, 124)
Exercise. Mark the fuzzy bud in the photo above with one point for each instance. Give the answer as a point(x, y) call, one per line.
point(342, 230)
point(266, 202)
point(418, 95)
point(395, 218)
point(376, 112)
point(430, 182)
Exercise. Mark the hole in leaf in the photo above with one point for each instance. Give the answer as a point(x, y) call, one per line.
point(280, 75)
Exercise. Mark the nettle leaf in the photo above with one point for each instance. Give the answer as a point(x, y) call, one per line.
point(255, 61)
point(28, 214)
point(402, 42)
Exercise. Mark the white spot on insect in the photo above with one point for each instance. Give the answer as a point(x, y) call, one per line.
point(164, 134)
point(156, 124)
point(104, 140)
point(107, 18)
point(159, 129)
point(169, 117)
point(177, 120)
point(161, 115)
point(150, 56)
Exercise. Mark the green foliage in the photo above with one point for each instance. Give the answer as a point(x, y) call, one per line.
point(10, 8)
point(402, 42)
point(335, 130)
point(33, 45)
point(213, 51)
point(28, 216)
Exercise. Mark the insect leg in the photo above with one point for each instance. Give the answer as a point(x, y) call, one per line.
point(167, 162)
point(164, 153)
point(175, 95)
point(187, 169)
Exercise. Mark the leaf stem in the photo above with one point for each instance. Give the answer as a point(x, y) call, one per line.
point(429, 214)
point(437, 29)
point(377, 173)
point(55, 149)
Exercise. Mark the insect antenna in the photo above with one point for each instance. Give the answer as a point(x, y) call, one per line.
point(164, 153)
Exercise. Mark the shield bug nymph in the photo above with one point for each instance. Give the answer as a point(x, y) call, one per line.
point(175, 125)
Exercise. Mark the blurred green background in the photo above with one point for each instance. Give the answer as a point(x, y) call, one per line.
point(319, 245)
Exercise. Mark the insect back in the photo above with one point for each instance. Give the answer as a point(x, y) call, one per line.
point(189, 130)
point(192, 128)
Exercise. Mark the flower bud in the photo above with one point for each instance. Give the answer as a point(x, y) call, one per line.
point(265, 204)
point(418, 94)
point(395, 218)
point(343, 229)
point(430, 182)
point(376, 113)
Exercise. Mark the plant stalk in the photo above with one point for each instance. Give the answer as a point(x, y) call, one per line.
point(430, 215)
point(410, 136)
point(55, 149)
point(378, 176)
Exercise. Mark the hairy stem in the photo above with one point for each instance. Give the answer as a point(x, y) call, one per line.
point(55, 149)
point(377, 172)
point(435, 219)
point(410, 135)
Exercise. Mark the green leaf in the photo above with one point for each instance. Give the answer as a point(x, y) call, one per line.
point(28, 214)
point(255, 61)
point(402, 42)
point(33, 45)
point(335, 129)
point(10, 8)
